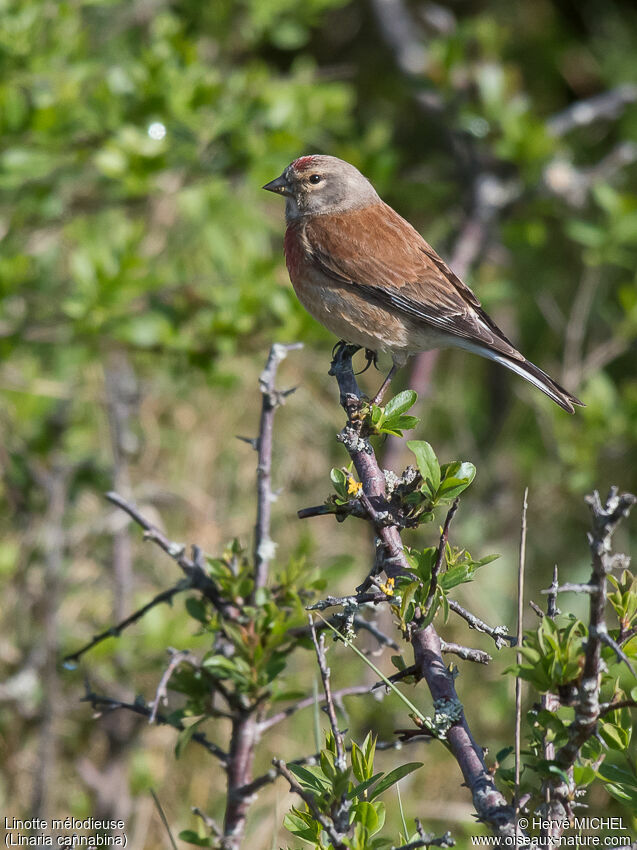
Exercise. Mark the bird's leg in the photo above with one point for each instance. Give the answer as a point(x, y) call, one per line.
point(383, 387)
point(370, 357)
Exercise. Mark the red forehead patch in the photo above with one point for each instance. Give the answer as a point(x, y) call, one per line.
point(303, 163)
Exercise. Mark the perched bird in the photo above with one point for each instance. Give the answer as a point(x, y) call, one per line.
point(369, 277)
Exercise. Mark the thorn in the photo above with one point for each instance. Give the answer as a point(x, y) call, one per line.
point(251, 441)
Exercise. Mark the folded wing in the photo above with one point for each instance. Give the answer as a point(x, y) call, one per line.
point(377, 252)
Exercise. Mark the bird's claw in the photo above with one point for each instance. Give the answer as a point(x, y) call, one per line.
point(370, 357)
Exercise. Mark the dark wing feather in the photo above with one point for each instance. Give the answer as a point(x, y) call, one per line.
point(381, 255)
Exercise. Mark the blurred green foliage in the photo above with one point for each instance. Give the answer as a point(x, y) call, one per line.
point(135, 137)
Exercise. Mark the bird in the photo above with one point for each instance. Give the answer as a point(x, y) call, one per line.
point(370, 278)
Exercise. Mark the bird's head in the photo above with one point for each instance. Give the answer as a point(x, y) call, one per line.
point(314, 185)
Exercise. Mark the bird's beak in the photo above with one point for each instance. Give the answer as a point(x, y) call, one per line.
point(280, 186)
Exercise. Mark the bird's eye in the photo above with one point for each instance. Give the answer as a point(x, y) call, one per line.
point(315, 178)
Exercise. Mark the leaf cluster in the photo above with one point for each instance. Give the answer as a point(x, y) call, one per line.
point(357, 788)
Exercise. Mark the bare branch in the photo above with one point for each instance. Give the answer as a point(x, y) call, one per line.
point(428, 841)
point(358, 599)
point(570, 587)
point(192, 567)
point(115, 631)
point(263, 545)
point(103, 703)
point(602, 107)
point(608, 707)
point(467, 653)
point(161, 695)
point(606, 518)
point(498, 633)
point(319, 646)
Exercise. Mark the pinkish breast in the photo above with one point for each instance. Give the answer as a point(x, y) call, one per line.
point(294, 250)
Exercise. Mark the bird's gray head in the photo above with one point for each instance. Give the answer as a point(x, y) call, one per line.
point(314, 185)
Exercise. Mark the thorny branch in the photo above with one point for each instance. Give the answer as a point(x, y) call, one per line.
point(272, 398)
point(498, 633)
point(490, 804)
point(340, 815)
point(191, 567)
point(115, 631)
point(246, 723)
point(606, 518)
point(103, 703)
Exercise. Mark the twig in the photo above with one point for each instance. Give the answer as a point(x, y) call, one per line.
point(263, 545)
point(104, 703)
point(518, 680)
point(246, 720)
point(467, 653)
point(570, 587)
point(550, 702)
point(428, 841)
point(161, 695)
point(619, 652)
point(358, 599)
point(384, 640)
point(551, 603)
point(444, 536)
point(319, 647)
point(115, 631)
point(536, 608)
point(607, 707)
point(209, 822)
point(498, 633)
point(191, 567)
point(269, 722)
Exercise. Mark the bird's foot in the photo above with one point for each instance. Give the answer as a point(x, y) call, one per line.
point(343, 348)
point(370, 357)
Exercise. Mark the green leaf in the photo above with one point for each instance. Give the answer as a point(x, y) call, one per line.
point(456, 477)
point(393, 777)
point(459, 574)
point(191, 837)
point(358, 763)
point(183, 739)
point(364, 786)
point(339, 479)
point(400, 403)
point(303, 825)
point(198, 610)
point(427, 462)
point(365, 814)
point(310, 779)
